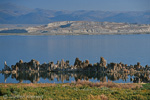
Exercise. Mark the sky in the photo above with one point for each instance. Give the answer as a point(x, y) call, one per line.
point(103, 5)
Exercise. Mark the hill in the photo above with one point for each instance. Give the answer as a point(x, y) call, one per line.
point(81, 27)
point(14, 14)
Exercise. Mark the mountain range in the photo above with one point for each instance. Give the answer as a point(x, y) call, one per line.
point(14, 14)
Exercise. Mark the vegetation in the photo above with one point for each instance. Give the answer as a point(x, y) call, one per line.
point(83, 90)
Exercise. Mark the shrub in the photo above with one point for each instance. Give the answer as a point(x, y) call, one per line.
point(3, 91)
point(146, 86)
point(138, 97)
point(97, 97)
point(104, 88)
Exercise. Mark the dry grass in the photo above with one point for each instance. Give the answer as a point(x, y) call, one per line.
point(79, 83)
point(27, 85)
point(97, 97)
point(108, 84)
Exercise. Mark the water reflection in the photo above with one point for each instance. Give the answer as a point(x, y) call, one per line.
point(35, 77)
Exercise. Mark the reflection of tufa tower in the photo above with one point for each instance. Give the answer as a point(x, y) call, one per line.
point(5, 65)
point(5, 80)
point(62, 78)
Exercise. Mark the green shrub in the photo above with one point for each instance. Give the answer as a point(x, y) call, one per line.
point(116, 92)
point(104, 88)
point(3, 91)
point(84, 87)
point(138, 97)
point(146, 86)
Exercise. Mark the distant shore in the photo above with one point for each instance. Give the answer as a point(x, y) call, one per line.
point(78, 28)
point(41, 34)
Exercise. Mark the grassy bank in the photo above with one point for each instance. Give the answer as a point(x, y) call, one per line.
point(78, 90)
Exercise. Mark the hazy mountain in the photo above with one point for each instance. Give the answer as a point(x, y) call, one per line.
point(13, 9)
point(14, 14)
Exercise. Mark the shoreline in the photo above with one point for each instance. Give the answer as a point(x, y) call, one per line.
point(66, 34)
point(78, 66)
point(78, 82)
point(84, 67)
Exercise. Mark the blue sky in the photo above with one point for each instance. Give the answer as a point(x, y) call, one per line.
point(103, 5)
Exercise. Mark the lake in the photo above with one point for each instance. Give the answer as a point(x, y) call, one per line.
point(128, 49)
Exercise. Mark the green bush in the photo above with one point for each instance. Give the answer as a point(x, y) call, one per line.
point(3, 91)
point(104, 88)
point(116, 92)
point(138, 97)
point(146, 86)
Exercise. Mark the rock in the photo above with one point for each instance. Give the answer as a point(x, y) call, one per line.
point(30, 68)
point(131, 66)
point(102, 62)
point(85, 64)
point(57, 63)
point(67, 63)
point(52, 66)
point(43, 66)
point(119, 66)
point(55, 66)
point(49, 67)
point(138, 63)
point(138, 66)
point(87, 61)
point(90, 65)
point(146, 66)
point(132, 70)
point(34, 64)
point(21, 61)
point(13, 67)
point(62, 64)
point(6, 68)
point(78, 63)
point(131, 79)
point(17, 68)
point(38, 68)
point(37, 63)
point(126, 65)
point(102, 65)
point(112, 66)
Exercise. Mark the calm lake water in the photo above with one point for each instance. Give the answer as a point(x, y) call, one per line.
point(128, 49)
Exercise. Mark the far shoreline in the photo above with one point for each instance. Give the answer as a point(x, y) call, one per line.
point(65, 34)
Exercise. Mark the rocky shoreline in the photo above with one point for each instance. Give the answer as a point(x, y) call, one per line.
point(33, 70)
point(79, 66)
